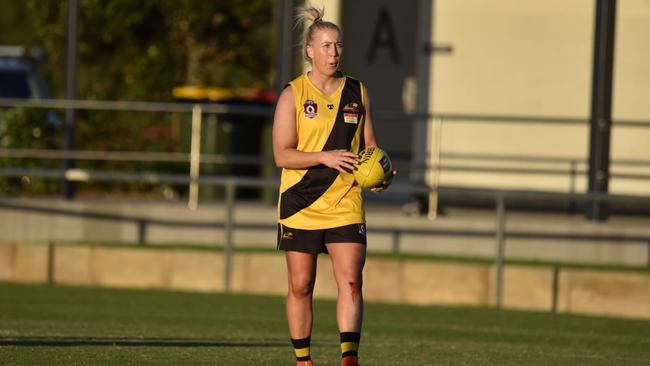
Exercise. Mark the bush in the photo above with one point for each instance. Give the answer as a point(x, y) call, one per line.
point(25, 128)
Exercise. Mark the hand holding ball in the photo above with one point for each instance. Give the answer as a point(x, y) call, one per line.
point(373, 168)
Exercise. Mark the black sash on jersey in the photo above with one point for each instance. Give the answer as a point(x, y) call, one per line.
point(320, 177)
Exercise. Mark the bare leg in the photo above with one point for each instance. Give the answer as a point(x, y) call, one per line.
point(348, 260)
point(301, 269)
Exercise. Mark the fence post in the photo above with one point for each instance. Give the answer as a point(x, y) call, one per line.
point(396, 237)
point(554, 295)
point(572, 185)
point(51, 262)
point(195, 158)
point(142, 231)
point(227, 249)
point(433, 165)
point(500, 246)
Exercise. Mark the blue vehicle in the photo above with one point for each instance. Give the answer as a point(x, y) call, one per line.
point(18, 75)
point(19, 78)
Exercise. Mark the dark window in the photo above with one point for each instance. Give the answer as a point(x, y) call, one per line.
point(14, 85)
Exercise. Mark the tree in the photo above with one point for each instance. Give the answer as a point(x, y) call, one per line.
point(140, 50)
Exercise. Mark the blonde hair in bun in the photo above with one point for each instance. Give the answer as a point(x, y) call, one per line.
point(313, 15)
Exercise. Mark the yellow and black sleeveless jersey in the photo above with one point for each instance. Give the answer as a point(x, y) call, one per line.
point(320, 197)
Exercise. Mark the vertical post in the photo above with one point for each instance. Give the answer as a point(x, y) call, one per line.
point(227, 250)
point(50, 263)
point(70, 92)
point(433, 165)
point(283, 64)
point(195, 158)
point(601, 107)
point(554, 295)
point(573, 170)
point(142, 232)
point(211, 139)
point(500, 247)
point(283, 56)
point(422, 88)
point(396, 238)
point(420, 149)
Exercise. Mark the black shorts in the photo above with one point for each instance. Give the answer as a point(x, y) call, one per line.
point(313, 241)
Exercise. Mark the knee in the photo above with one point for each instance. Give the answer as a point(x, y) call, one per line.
point(301, 286)
point(352, 283)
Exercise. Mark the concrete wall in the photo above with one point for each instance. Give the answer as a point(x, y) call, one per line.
point(53, 220)
point(623, 294)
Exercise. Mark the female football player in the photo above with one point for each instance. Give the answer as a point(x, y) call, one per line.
point(322, 120)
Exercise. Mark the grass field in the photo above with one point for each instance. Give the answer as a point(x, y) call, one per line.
point(47, 325)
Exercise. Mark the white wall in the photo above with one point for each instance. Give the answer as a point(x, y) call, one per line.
point(534, 58)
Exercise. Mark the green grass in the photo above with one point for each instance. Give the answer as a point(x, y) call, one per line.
point(53, 325)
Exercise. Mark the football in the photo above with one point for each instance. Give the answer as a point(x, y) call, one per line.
point(373, 167)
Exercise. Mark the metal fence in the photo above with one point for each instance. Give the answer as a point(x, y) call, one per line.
point(230, 183)
point(571, 167)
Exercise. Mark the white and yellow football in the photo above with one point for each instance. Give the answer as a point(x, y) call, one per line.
point(373, 167)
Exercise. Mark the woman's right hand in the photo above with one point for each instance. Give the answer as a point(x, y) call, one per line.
point(341, 160)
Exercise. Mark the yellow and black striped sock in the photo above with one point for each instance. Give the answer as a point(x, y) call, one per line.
point(350, 344)
point(301, 348)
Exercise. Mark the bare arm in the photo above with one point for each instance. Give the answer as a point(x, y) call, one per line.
point(285, 142)
point(371, 140)
point(368, 129)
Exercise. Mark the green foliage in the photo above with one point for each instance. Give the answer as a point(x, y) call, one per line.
point(141, 50)
point(22, 128)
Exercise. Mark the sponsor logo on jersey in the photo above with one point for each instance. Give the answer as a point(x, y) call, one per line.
point(311, 109)
point(287, 235)
point(330, 106)
point(351, 113)
point(351, 108)
point(350, 118)
point(362, 229)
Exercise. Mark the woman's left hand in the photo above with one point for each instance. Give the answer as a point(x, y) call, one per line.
point(385, 183)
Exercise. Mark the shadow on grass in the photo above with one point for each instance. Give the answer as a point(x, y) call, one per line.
point(136, 342)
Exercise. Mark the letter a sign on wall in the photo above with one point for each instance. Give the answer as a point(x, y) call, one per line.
point(379, 38)
point(383, 38)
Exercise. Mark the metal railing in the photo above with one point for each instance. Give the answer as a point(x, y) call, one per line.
point(196, 109)
point(231, 184)
point(438, 161)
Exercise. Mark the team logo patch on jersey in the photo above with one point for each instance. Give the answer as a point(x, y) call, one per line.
point(311, 109)
point(351, 113)
point(362, 229)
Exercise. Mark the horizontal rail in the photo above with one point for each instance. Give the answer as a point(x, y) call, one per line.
point(151, 177)
point(538, 159)
point(393, 230)
point(133, 106)
point(181, 157)
point(80, 175)
point(481, 118)
point(134, 156)
point(257, 110)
